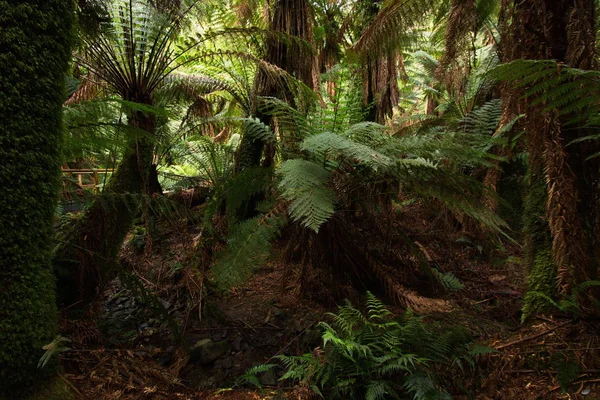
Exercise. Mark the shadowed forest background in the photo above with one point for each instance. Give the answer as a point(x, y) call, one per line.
point(296, 199)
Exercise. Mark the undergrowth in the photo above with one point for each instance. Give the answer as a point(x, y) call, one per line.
point(372, 355)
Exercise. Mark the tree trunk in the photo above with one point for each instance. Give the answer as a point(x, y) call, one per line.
point(379, 76)
point(293, 18)
point(562, 30)
point(380, 87)
point(87, 256)
point(35, 39)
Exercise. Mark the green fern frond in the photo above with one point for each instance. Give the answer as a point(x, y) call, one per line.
point(448, 280)
point(249, 244)
point(251, 376)
point(378, 390)
point(329, 146)
point(422, 387)
point(257, 130)
point(363, 358)
point(396, 16)
point(376, 309)
point(573, 92)
point(304, 185)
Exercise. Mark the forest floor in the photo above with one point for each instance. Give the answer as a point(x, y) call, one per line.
point(128, 350)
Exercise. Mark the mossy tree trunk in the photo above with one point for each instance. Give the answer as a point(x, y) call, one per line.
point(35, 41)
point(87, 257)
point(563, 188)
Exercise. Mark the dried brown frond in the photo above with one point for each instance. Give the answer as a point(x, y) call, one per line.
point(295, 19)
point(202, 108)
point(563, 217)
point(89, 89)
point(244, 10)
point(581, 33)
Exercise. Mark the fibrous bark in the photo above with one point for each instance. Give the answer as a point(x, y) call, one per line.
point(563, 31)
point(293, 18)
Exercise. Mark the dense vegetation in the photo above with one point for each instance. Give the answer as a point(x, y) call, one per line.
point(315, 135)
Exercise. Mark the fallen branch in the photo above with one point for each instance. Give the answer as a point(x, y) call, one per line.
point(532, 337)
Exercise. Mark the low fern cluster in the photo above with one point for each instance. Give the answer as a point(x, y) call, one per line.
point(372, 355)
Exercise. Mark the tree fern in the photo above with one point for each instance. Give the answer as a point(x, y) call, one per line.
point(412, 161)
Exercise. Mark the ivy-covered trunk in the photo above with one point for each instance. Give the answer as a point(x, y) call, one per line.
point(87, 256)
point(35, 41)
point(563, 187)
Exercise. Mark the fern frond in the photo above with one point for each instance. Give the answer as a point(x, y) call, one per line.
point(376, 309)
point(251, 376)
point(385, 31)
point(327, 146)
point(304, 185)
point(571, 91)
point(248, 248)
point(448, 280)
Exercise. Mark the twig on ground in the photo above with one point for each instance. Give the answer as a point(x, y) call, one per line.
point(70, 385)
point(290, 342)
point(532, 337)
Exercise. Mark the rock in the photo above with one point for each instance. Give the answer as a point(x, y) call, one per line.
point(206, 351)
point(165, 303)
point(217, 337)
point(192, 338)
point(297, 326)
point(164, 358)
point(268, 378)
point(281, 315)
point(226, 363)
point(237, 343)
point(311, 339)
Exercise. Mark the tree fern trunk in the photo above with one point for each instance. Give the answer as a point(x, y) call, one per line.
point(88, 254)
point(565, 31)
point(293, 18)
point(379, 76)
point(35, 41)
